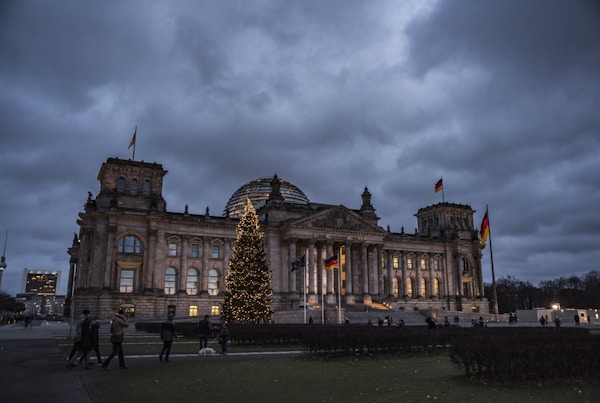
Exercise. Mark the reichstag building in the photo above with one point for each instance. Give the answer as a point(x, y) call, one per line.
point(133, 254)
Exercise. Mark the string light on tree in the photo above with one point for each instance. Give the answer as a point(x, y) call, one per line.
point(248, 295)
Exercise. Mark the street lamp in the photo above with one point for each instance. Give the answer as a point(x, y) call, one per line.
point(3, 260)
point(556, 306)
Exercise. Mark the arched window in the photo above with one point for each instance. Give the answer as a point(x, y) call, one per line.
point(133, 186)
point(121, 184)
point(395, 285)
point(129, 244)
point(423, 287)
point(192, 282)
point(213, 282)
point(146, 187)
point(464, 265)
point(170, 281)
point(423, 263)
point(436, 287)
point(409, 287)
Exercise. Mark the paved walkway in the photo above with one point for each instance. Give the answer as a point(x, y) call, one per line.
point(33, 366)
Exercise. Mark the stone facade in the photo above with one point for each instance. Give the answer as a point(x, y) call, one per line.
point(132, 254)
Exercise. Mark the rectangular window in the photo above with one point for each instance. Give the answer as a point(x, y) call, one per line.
point(193, 310)
point(437, 265)
point(215, 252)
point(409, 263)
point(172, 249)
point(383, 262)
point(215, 310)
point(423, 264)
point(126, 281)
point(195, 250)
point(396, 262)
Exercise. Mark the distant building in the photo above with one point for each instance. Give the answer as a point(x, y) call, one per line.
point(133, 254)
point(39, 293)
point(40, 282)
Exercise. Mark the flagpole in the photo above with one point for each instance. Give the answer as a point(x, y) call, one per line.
point(304, 284)
point(135, 141)
point(339, 288)
point(322, 295)
point(492, 262)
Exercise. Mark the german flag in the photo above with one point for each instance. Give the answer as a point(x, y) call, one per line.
point(439, 185)
point(331, 263)
point(484, 233)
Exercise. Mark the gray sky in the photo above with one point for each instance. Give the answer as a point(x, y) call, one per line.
point(501, 99)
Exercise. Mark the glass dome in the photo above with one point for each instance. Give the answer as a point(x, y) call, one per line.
point(258, 191)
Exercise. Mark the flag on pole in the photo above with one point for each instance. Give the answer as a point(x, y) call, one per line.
point(484, 233)
point(439, 185)
point(132, 142)
point(299, 264)
point(331, 263)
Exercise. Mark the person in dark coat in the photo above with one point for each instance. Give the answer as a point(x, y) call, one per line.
point(204, 332)
point(224, 338)
point(167, 334)
point(85, 341)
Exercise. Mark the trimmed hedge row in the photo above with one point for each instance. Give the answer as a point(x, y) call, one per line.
point(501, 353)
point(537, 353)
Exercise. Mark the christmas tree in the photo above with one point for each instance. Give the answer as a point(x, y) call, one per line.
point(248, 295)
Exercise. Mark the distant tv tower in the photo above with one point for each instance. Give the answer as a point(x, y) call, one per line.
point(3, 260)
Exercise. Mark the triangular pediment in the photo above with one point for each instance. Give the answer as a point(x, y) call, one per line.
point(336, 218)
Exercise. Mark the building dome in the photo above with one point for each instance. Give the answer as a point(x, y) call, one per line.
point(258, 191)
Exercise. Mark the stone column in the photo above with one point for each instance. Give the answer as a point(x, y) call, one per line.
point(404, 277)
point(109, 258)
point(292, 274)
point(348, 283)
point(431, 278)
point(310, 267)
point(390, 272)
point(418, 281)
point(364, 257)
point(185, 246)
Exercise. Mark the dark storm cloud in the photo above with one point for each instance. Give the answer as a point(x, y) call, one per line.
point(499, 98)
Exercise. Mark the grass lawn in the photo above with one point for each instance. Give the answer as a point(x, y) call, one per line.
point(289, 379)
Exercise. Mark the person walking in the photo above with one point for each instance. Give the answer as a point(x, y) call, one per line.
point(95, 339)
point(204, 331)
point(167, 334)
point(85, 341)
point(117, 335)
point(77, 338)
point(224, 338)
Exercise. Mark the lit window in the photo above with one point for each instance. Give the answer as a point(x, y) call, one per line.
point(129, 244)
point(195, 250)
point(409, 263)
point(215, 310)
point(436, 287)
point(172, 249)
point(170, 281)
point(409, 287)
point(192, 282)
point(213, 282)
point(423, 263)
point(423, 287)
point(395, 285)
point(126, 281)
point(215, 252)
point(396, 262)
point(383, 262)
point(193, 310)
